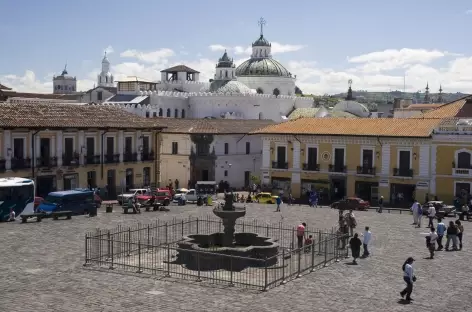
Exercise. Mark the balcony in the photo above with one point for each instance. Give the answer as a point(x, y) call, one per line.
point(46, 162)
point(403, 172)
point(112, 158)
point(279, 165)
point(147, 156)
point(130, 157)
point(70, 160)
point(366, 170)
point(92, 159)
point(337, 168)
point(20, 163)
point(3, 165)
point(311, 167)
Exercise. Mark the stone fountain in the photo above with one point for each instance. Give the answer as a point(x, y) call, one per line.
point(245, 246)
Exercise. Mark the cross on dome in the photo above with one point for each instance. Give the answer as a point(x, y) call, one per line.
point(261, 23)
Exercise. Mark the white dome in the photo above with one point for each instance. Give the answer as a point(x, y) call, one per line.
point(352, 107)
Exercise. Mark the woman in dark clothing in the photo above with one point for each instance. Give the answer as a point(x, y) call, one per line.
point(355, 243)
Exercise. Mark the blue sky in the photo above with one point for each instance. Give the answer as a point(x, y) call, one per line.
point(324, 42)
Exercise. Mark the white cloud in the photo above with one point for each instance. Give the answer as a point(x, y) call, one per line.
point(468, 12)
point(375, 71)
point(109, 50)
point(149, 57)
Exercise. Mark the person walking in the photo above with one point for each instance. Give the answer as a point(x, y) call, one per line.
point(431, 215)
point(381, 201)
point(451, 235)
point(301, 234)
point(351, 222)
point(278, 201)
point(440, 230)
point(431, 242)
point(355, 244)
point(415, 210)
point(367, 237)
point(460, 232)
point(409, 278)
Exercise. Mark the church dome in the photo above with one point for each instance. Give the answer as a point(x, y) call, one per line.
point(352, 107)
point(262, 67)
point(261, 42)
point(228, 86)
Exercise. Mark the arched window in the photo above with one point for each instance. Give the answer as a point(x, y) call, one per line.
point(259, 91)
point(226, 74)
point(183, 113)
point(106, 79)
point(161, 113)
point(147, 114)
point(463, 160)
point(176, 113)
point(276, 92)
point(168, 112)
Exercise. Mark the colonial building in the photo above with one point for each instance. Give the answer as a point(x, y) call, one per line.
point(210, 150)
point(64, 146)
point(10, 96)
point(400, 159)
point(64, 83)
point(259, 88)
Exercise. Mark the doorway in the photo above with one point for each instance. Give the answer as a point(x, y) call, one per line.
point(111, 183)
point(338, 188)
point(367, 190)
point(205, 175)
point(92, 179)
point(70, 181)
point(45, 152)
point(68, 151)
point(129, 179)
point(247, 178)
point(45, 185)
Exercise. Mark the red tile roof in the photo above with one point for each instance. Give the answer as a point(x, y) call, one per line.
point(212, 126)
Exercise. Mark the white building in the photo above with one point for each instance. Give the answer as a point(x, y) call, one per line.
point(259, 88)
point(105, 88)
point(64, 84)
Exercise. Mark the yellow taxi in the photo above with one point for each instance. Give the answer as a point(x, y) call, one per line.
point(266, 198)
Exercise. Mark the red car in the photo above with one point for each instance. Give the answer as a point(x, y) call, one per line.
point(37, 201)
point(163, 196)
point(353, 203)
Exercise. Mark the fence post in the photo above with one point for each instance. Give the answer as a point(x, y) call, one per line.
point(166, 231)
point(168, 257)
point(265, 274)
point(267, 230)
point(325, 251)
point(129, 241)
point(182, 228)
point(283, 267)
point(148, 237)
point(199, 279)
point(197, 225)
point(231, 284)
point(86, 250)
point(313, 257)
point(300, 250)
point(108, 245)
point(319, 243)
point(139, 258)
point(336, 247)
point(112, 256)
point(293, 238)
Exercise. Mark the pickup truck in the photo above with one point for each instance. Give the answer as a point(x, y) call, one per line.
point(123, 198)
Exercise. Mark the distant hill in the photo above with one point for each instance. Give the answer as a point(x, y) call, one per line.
point(385, 97)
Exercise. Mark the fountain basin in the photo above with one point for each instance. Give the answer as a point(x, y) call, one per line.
point(207, 252)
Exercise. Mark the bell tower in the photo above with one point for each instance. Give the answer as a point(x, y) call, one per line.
point(105, 78)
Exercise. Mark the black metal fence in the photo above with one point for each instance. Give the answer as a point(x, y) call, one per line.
point(152, 249)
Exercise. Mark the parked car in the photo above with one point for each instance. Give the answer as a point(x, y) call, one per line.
point(265, 198)
point(441, 208)
point(178, 194)
point(163, 196)
point(37, 201)
point(122, 198)
point(354, 203)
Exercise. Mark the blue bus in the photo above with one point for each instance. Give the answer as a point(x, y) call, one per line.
point(17, 194)
point(77, 201)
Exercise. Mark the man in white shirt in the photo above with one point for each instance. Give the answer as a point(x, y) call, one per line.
point(415, 208)
point(12, 215)
point(367, 237)
point(431, 215)
point(431, 242)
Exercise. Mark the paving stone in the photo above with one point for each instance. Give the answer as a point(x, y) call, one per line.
point(42, 270)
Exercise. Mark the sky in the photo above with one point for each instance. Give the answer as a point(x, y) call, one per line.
point(380, 45)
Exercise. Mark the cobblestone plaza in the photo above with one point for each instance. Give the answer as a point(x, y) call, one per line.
point(43, 270)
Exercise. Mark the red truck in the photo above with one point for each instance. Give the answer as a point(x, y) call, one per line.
point(163, 196)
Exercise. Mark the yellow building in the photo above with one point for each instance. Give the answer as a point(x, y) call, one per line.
point(65, 146)
point(339, 157)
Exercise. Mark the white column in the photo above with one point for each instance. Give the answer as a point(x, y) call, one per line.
point(7, 150)
point(120, 144)
point(265, 154)
point(138, 142)
point(296, 155)
point(386, 160)
point(79, 148)
point(59, 141)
